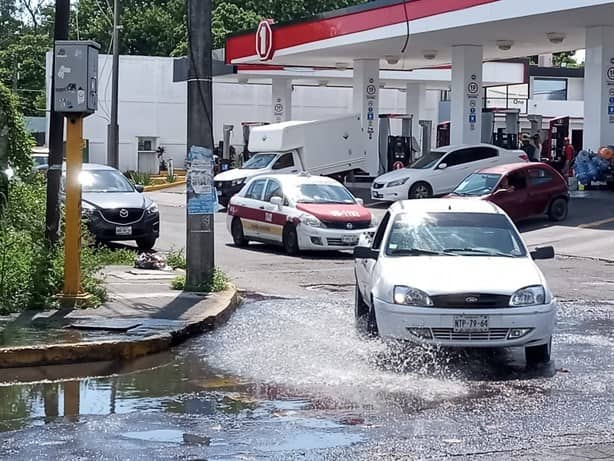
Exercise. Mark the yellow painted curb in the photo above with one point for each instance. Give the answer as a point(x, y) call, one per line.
point(163, 186)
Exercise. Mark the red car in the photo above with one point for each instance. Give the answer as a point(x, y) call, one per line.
point(522, 190)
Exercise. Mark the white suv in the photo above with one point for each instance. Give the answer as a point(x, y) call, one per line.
point(440, 171)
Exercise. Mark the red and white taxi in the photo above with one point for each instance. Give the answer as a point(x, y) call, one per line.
point(300, 212)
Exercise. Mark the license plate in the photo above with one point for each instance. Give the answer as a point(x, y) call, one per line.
point(470, 323)
point(349, 239)
point(123, 230)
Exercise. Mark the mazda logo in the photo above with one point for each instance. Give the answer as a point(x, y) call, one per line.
point(471, 299)
point(123, 213)
point(349, 226)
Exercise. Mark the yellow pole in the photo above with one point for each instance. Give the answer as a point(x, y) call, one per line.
point(72, 239)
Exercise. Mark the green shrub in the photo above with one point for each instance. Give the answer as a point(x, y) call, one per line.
point(31, 273)
point(171, 178)
point(142, 179)
point(176, 258)
point(217, 282)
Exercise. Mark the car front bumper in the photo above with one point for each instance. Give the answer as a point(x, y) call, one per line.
point(390, 194)
point(225, 193)
point(412, 324)
point(103, 230)
point(315, 238)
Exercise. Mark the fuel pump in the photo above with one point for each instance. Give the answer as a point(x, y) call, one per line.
point(443, 134)
point(396, 152)
point(555, 145)
point(505, 137)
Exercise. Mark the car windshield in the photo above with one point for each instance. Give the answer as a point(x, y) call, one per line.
point(427, 160)
point(259, 161)
point(478, 184)
point(104, 181)
point(453, 234)
point(324, 193)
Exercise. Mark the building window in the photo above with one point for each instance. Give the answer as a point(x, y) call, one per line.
point(550, 89)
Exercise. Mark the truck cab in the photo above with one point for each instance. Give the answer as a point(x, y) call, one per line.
point(230, 182)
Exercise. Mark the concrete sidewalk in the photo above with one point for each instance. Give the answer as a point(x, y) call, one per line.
point(143, 315)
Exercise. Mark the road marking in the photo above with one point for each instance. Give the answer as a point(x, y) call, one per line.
point(596, 223)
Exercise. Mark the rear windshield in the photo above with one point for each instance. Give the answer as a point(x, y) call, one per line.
point(449, 234)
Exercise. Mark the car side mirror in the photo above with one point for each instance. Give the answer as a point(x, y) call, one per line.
point(360, 201)
point(365, 253)
point(139, 188)
point(442, 166)
point(277, 201)
point(543, 253)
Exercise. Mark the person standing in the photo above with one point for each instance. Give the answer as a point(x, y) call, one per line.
point(569, 154)
point(538, 146)
point(528, 148)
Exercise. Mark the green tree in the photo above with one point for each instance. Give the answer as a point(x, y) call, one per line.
point(17, 145)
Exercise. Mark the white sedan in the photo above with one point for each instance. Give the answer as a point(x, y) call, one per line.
point(299, 212)
point(440, 171)
point(456, 273)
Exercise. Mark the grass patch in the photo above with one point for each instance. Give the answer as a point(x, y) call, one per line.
point(218, 281)
point(176, 258)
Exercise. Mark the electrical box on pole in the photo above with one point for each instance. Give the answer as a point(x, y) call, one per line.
point(75, 83)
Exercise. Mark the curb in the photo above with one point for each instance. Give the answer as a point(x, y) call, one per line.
point(96, 351)
point(163, 186)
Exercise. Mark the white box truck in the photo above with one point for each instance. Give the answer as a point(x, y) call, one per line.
point(332, 147)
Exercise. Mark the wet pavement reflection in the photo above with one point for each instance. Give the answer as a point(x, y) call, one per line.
point(288, 378)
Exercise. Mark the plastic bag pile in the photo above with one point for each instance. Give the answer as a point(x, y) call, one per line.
point(590, 166)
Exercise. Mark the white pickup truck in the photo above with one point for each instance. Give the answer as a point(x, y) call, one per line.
point(320, 147)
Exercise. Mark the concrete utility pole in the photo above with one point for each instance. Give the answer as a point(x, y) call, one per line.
point(199, 247)
point(113, 128)
point(56, 136)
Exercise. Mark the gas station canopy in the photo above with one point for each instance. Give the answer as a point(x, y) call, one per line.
point(414, 34)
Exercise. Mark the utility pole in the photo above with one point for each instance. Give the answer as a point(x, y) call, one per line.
point(113, 128)
point(56, 135)
point(201, 199)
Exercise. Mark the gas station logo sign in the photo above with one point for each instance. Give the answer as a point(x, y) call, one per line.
point(611, 73)
point(473, 88)
point(264, 41)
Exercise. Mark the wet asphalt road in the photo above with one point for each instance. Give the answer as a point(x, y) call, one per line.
point(288, 378)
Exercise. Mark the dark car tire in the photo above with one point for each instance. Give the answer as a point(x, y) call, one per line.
point(538, 354)
point(146, 243)
point(364, 316)
point(238, 237)
point(290, 240)
point(420, 190)
point(558, 209)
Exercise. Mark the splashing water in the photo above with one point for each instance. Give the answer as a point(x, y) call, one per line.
point(312, 346)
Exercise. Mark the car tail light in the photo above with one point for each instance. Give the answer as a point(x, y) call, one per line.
point(524, 157)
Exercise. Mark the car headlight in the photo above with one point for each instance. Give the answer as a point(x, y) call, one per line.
point(310, 221)
point(398, 182)
point(87, 209)
point(529, 296)
point(409, 296)
point(237, 182)
point(152, 208)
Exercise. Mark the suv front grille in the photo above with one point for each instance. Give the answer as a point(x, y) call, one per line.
point(450, 335)
point(471, 300)
point(123, 215)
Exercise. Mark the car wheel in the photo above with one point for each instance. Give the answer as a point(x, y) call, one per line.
point(364, 316)
point(538, 354)
point(420, 190)
point(238, 237)
point(558, 209)
point(290, 240)
point(146, 243)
